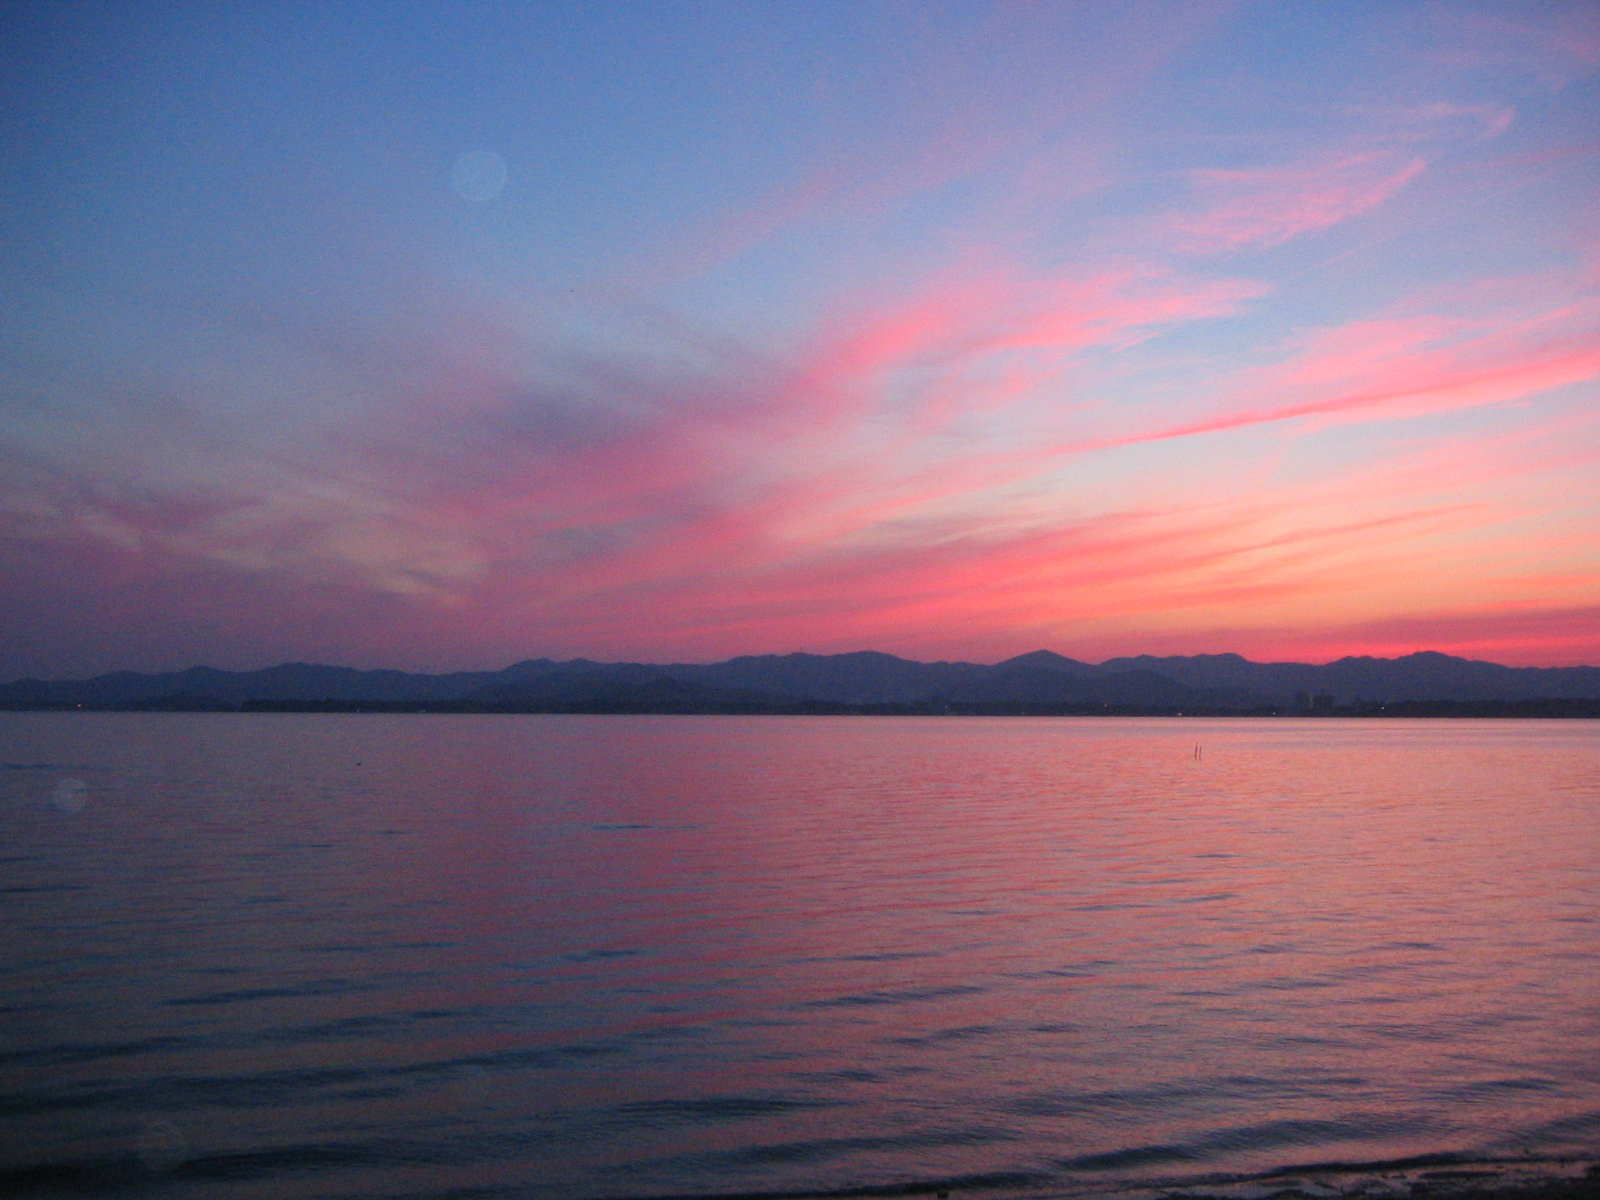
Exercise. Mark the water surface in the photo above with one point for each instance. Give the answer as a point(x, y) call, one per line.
point(572, 956)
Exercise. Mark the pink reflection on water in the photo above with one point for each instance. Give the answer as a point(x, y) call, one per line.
point(916, 947)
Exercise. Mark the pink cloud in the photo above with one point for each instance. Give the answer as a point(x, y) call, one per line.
point(718, 583)
point(1260, 206)
point(1269, 206)
point(819, 504)
point(995, 104)
point(837, 494)
point(929, 587)
point(1394, 369)
point(1551, 47)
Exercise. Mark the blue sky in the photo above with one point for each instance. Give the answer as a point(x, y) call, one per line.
point(951, 330)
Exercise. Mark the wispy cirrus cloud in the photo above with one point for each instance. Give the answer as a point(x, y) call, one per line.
point(1267, 206)
point(992, 105)
point(1398, 368)
point(1551, 47)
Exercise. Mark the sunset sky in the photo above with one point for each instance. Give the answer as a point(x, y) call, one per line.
point(444, 336)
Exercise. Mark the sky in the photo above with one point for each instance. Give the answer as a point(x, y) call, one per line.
point(443, 336)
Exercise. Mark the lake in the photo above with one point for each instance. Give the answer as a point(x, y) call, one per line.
point(602, 956)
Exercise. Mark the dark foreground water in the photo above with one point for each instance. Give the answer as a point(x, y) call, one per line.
point(437, 956)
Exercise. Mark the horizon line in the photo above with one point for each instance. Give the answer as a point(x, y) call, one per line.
point(796, 654)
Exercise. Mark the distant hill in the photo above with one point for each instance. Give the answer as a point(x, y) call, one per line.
point(1426, 675)
point(1039, 681)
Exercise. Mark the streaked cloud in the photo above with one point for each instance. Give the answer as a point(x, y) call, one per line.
point(1001, 355)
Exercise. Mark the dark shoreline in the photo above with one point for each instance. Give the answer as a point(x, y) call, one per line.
point(1472, 709)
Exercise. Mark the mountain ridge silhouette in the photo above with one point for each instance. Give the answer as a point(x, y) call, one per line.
point(859, 678)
